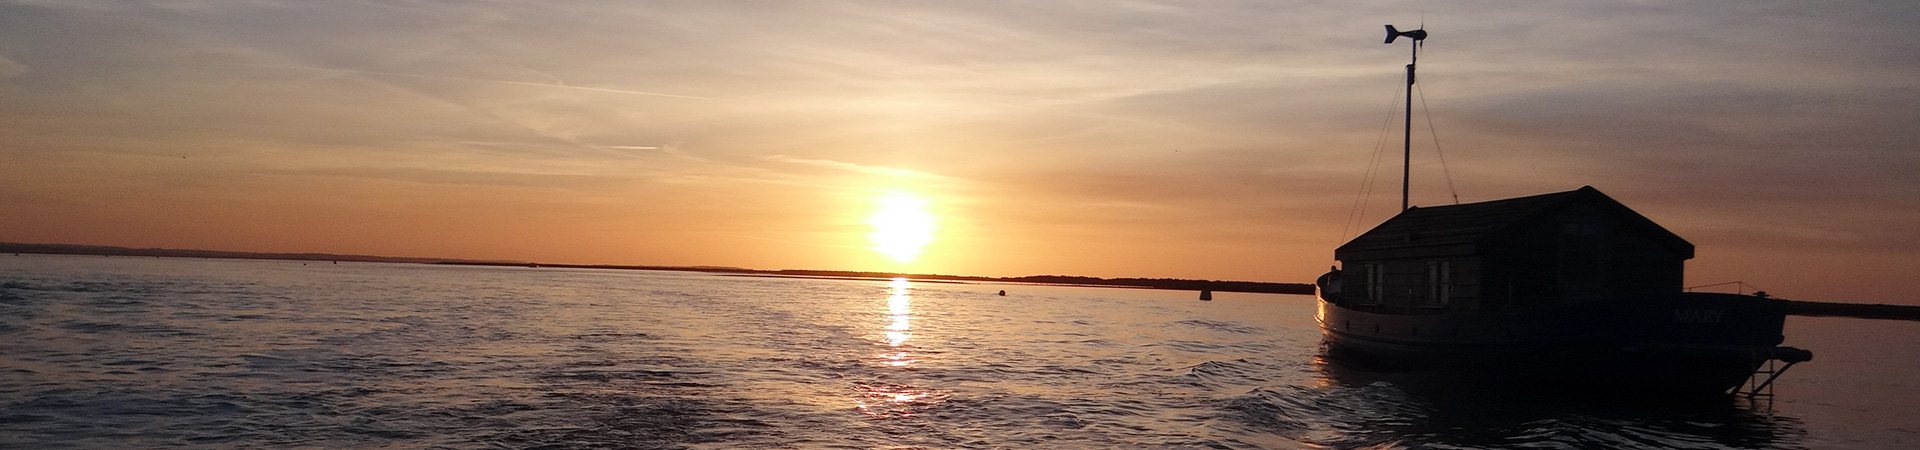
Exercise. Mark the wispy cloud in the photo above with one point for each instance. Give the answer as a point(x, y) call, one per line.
point(11, 69)
point(875, 170)
point(556, 84)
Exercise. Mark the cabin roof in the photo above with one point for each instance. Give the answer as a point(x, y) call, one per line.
point(1469, 225)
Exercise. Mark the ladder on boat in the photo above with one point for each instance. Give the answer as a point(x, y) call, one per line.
point(1768, 366)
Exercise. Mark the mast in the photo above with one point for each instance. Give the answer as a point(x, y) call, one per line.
point(1406, 148)
point(1406, 155)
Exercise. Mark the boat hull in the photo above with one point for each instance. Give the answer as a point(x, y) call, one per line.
point(1688, 344)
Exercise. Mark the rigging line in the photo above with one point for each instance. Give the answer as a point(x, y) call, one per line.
point(1358, 211)
point(1380, 153)
point(1436, 144)
point(1367, 181)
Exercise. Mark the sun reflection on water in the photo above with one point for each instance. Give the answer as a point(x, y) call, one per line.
point(883, 400)
point(887, 400)
point(899, 306)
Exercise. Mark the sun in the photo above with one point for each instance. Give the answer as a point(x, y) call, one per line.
point(902, 227)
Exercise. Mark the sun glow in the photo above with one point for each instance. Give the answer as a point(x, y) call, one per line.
point(901, 226)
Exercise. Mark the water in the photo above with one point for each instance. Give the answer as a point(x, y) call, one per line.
point(152, 353)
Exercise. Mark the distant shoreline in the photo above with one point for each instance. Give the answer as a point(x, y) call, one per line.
point(1057, 280)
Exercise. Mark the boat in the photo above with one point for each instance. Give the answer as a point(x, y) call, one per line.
point(1565, 289)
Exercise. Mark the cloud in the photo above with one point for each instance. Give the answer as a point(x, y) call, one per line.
point(11, 69)
point(846, 166)
point(556, 84)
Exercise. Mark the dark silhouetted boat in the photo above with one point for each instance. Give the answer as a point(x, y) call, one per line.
point(1566, 289)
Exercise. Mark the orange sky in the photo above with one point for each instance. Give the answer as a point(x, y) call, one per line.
point(1144, 139)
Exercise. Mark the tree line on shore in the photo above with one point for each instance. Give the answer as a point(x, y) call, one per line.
point(1151, 283)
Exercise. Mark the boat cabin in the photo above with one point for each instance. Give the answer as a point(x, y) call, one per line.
point(1543, 250)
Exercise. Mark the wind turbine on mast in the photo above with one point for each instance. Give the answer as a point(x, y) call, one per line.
point(1419, 38)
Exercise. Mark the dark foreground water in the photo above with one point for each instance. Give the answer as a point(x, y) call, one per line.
point(123, 352)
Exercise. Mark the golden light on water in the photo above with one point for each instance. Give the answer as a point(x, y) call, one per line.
point(902, 226)
point(899, 306)
point(897, 400)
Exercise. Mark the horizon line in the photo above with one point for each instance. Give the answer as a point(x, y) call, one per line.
point(114, 250)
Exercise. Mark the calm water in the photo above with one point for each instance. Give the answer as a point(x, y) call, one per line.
point(146, 352)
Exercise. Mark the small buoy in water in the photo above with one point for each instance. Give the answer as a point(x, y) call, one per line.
point(1206, 294)
point(1003, 292)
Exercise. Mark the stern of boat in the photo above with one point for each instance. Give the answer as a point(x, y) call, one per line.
point(1730, 342)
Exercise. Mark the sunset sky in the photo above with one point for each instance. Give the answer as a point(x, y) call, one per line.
point(1215, 139)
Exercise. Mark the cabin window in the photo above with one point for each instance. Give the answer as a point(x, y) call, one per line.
point(1439, 284)
point(1376, 283)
